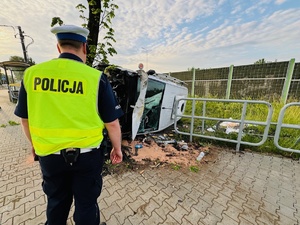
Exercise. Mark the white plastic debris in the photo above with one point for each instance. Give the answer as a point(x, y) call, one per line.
point(210, 130)
point(200, 156)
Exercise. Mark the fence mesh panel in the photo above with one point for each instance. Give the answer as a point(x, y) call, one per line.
point(256, 81)
point(259, 81)
point(294, 93)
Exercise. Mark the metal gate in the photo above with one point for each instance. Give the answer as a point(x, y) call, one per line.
point(281, 125)
point(242, 121)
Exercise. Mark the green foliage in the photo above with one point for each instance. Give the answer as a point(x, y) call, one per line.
point(193, 68)
point(108, 70)
point(194, 169)
point(109, 166)
point(263, 61)
point(56, 20)
point(222, 111)
point(16, 58)
point(21, 59)
point(13, 123)
point(106, 48)
point(175, 166)
point(101, 14)
point(260, 61)
point(108, 162)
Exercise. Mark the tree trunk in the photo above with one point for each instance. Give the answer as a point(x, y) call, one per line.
point(93, 26)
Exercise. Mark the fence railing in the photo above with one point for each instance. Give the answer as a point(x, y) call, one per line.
point(240, 122)
point(281, 125)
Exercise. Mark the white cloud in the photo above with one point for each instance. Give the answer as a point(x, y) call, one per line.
point(150, 19)
point(231, 43)
point(178, 34)
point(279, 2)
point(236, 10)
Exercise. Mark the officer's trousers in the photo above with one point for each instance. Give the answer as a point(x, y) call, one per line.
point(82, 181)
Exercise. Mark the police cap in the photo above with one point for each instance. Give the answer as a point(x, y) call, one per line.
point(70, 32)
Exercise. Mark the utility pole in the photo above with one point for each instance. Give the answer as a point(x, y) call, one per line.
point(22, 43)
point(22, 36)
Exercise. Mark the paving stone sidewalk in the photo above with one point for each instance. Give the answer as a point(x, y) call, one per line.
point(237, 189)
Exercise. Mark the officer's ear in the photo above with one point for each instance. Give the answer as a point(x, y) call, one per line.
point(58, 48)
point(85, 48)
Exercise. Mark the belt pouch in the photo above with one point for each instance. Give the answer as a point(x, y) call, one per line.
point(70, 154)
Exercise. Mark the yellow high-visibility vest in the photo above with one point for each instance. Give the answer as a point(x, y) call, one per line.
point(62, 98)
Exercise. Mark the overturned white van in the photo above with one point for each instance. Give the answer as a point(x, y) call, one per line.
point(147, 99)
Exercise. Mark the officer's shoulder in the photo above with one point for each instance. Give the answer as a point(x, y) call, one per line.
point(36, 66)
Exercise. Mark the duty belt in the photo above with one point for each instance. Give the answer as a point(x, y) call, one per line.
point(71, 154)
point(82, 150)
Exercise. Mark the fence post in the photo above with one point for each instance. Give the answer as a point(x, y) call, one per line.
point(287, 82)
point(229, 81)
point(193, 83)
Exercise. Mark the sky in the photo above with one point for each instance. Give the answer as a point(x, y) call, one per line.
point(166, 35)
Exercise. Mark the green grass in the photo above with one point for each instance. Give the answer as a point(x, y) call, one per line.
point(194, 169)
point(289, 137)
point(175, 166)
point(13, 123)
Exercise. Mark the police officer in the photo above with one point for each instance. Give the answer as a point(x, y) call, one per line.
point(64, 106)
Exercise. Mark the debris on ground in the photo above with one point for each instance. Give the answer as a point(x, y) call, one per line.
point(200, 156)
point(137, 147)
point(162, 150)
point(233, 127)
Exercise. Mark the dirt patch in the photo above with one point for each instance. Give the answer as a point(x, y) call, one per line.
point(153, 152)
point(169, 153)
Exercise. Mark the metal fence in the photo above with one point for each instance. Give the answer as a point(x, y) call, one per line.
point(268, 81)
point(281, 126)
point(241, 123)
